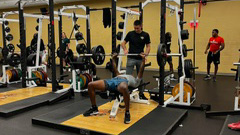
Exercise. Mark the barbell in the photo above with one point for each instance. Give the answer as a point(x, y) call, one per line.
point(98, 54)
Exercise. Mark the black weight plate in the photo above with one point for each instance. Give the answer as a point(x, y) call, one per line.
point(98, 55)
point(79, 36)
point(161, 55)
point(188, 67)
point(82, 59)
point(76, 27)
point(13, 59)
point(7, 29)
point(60, 54)
point(81, 48)
point(10, 48)
point(6, 22)
point(185, 34)
point(119, 35)
point(31, 60)
point(121, 25)
point(9, 37)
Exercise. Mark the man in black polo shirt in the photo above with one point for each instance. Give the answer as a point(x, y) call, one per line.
point(137, 39)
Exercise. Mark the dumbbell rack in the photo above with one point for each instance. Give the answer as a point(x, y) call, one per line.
point(5, 78)
point(236, 103)
point(30, 70)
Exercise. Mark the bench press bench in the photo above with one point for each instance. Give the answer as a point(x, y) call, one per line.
point(118, 97)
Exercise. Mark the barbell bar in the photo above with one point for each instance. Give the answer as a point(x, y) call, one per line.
point(98, 54)
point(90, 55)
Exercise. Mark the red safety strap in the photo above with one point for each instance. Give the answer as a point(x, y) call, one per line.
point(199, 8)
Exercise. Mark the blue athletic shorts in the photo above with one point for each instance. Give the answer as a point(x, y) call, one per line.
point(112, 84)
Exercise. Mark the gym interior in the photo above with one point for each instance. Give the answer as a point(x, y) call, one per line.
point(119, 67)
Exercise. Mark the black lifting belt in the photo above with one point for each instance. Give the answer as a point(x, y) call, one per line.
point(107, 17)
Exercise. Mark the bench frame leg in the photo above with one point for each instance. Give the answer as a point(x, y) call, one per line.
point(134, 97)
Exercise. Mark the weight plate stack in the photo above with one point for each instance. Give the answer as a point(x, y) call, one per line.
point(14, 59)
point(86, 84)
point(19, 71)
point(34, 76)
point(84, 81)
point(45, 75)
point(193, 88)
point(14, 75)
point(186, 88)
point(9, 74)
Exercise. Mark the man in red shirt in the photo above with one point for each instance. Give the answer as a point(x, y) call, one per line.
point(216, 44)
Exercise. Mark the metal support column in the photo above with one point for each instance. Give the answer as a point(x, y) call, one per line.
point(162, 41)
point(22, 44)
point(60, 41)
point(52, 38)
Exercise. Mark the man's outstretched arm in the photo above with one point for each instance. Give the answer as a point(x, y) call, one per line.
point(114, 60)
point(141, 70)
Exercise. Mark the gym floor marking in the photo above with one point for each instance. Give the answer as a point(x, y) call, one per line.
point(20, 94)
point(103, 124)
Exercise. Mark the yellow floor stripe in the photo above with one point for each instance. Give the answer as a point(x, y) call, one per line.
point(112, 126)
point(20, 94)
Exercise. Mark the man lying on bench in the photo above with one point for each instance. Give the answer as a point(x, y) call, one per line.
point(119, 83)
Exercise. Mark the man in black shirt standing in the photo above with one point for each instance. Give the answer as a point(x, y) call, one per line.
point(137, 39)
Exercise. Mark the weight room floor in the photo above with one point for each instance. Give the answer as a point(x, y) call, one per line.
point(220, 95)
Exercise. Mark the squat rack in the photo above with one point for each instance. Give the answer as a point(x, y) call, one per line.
point(4, 78)
point(61, 13)
point(114, 9)
point(21, 4)
point(22, 22)
point(3, 20)
point(181, 70)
